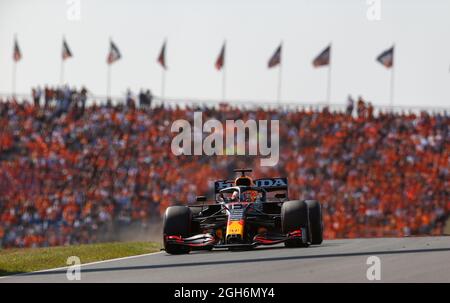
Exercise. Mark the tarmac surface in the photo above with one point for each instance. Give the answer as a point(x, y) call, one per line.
point(413, 259)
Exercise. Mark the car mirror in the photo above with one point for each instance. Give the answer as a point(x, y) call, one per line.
point(201, 199)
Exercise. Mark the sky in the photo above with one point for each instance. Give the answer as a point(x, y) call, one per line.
point(196, 29)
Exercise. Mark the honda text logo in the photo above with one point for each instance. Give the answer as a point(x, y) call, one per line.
point(223, 184)
point(276, 182)
point(213, 144)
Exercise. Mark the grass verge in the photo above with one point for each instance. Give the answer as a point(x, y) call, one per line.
point(14, 261)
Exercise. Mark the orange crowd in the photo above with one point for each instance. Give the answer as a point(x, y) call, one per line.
point(69, 172)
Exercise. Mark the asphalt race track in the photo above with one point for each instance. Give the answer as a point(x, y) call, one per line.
point(418, 259)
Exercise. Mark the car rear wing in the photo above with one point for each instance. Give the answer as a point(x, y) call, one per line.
point(221, 184)
point(269, 184)
point(272, 184)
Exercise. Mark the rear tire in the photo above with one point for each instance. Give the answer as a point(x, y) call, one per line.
point(177, 222)
point(295, 216)
point(315, 221)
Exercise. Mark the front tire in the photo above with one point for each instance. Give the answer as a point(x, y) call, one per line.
point(295, 216)
point(315, 220)
point(177, 222)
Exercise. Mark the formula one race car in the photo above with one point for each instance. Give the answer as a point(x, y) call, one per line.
point(246, 214)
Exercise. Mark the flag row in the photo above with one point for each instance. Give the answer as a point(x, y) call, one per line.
point(386, 58)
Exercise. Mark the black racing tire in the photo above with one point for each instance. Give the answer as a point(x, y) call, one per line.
point(177, 222)
point(195, 225)
point(294, 216)
point(315, 221)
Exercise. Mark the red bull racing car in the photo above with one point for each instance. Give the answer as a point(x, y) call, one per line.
point(246, 213)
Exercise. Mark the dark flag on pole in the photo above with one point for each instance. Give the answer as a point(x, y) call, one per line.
point(276, 58)
point(387, 58)
point(66, 53)
point(221, 59)
point(162, 56)
point(114, 53)
point(17, 55)
point(323, 58)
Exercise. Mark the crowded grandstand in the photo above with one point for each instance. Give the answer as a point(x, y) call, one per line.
point(72, 171)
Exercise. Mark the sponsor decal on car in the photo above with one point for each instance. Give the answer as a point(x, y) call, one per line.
point(235, 227)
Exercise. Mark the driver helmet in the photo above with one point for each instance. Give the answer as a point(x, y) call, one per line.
point(243, 181)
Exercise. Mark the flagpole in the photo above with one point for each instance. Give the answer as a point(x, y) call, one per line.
point(14, 79)
point(61, 71)
point(163, 83)
point(329, 80)
point(61, 75)
point(279, 84)
point(108, 82)
point(14, 69)
point(279, 75)
point(162, 62)
point(391, 101)
point(224, 71)
point(223, 82)
point(329, 84)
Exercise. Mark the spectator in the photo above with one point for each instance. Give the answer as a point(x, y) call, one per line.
point(148, 98)
point(130, 100)
point(145, 99)
point(370, 111)
point(142, 101)
point(36, 94)
point(361, 107)
point(48, 96)
point(350, 105)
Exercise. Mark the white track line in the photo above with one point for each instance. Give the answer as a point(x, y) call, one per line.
point(83, 264)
